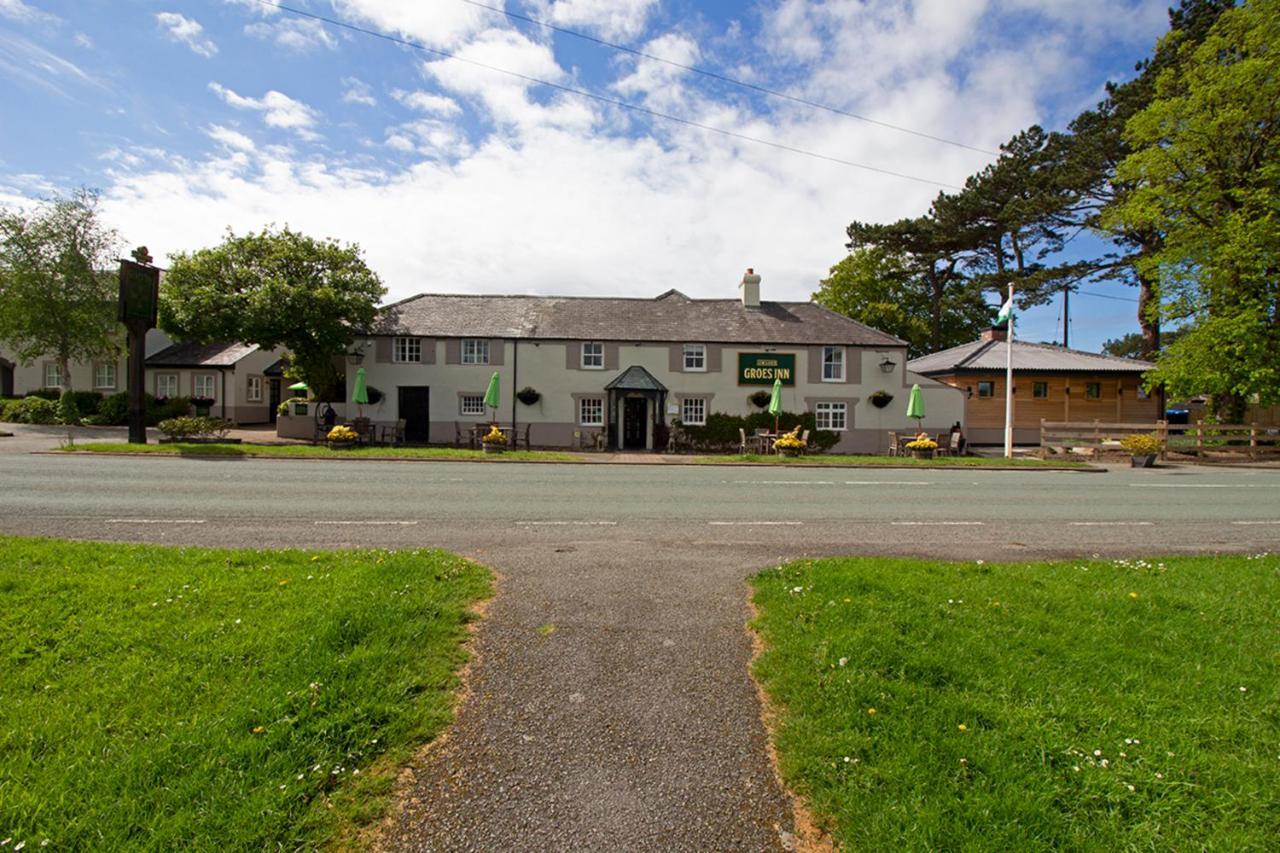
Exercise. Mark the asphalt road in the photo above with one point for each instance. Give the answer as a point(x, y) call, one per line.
point(609, 705)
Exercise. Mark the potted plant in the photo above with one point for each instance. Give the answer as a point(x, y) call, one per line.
point(789, 444)
point(1142, 449)
point(341, 436)
point(202, 406)
point(760, 399)
point(494, 441)
point(880, 399)
point(528, 395)
point(922, 447)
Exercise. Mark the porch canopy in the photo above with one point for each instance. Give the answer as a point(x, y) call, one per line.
point(635, 382)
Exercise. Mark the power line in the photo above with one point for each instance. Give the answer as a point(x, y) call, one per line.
point(1106, 296)
point(603, 99)
point(725, 78)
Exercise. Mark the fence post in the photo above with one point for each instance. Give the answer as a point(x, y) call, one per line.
point(1199, 439)
point(1044, 452)
point(1162, 436)
point(1253, 440)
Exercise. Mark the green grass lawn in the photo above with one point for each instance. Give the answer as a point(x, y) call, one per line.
point(198, 699)
point(1081, 705)
point(308, 451)
point(897, 461)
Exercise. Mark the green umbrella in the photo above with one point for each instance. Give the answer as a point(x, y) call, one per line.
point(491, 396)
point(299, 386)
point(775, 402)
point(915, 406)
point(360, 393)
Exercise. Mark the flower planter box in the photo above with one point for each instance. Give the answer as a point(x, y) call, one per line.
point(494, 447)
point(341, 445)
point(1147, 461)
point(789, 451)
point(922, 454)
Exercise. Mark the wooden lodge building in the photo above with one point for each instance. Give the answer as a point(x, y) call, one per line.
point(1050, 383)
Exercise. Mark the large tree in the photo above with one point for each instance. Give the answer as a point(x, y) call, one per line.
point(274, 288)
point(880, 289)
point(57, 288)
point(1205, 172)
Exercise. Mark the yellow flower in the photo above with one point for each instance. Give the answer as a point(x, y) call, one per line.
point(1133, 595)
point(257, 730)
point(871, 711)
point(963, 727)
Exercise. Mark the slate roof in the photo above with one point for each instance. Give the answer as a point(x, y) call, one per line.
point(635, 378)
point(200, 355)
point(983, 356)
point(671, 317)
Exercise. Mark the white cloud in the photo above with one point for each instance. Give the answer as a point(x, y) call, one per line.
point(16, 10)
point(440, 25)
point(83, 40)
point(254, 7)
point(612, 19)
point(24, 60)
point(297, 34)
point(232, 139)
point(427, 102)
point(187, 31)
point(278, 109)
point(659, 82)
point(356, 91)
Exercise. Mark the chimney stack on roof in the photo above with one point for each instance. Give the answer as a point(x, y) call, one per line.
point(750, 289)
point(996, 333)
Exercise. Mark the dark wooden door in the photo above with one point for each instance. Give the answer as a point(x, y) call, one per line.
point(415, 409)
point(633, 418)
point(273, 398)
point(6, 379)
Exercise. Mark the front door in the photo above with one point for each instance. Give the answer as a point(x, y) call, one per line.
point(634, 410)
point(273, 398)
point(6, 379)
point(415, 410)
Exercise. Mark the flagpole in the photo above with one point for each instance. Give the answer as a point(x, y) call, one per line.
point(1008, 383)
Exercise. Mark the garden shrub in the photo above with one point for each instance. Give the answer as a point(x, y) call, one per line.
point(32, 410)
point(195, 427)
point(115, 409)
point(87, 402)
point(50, 394)
point(67, 411)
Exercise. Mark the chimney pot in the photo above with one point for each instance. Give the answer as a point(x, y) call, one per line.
point(996, 333)
point(750, 288)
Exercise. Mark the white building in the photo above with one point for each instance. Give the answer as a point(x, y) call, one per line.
point(624, 367)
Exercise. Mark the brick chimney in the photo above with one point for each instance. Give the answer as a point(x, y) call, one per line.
point(996, 333)
point(750, 287)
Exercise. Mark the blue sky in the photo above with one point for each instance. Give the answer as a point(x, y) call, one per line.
point(192, 117)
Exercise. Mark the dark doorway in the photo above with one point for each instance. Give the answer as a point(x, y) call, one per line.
point(415, 410)
point(6, 379)
point(273, 399)
point(634, 410)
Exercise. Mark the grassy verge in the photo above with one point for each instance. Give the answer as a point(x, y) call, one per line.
point(1081, 705)
point(308, 451)
point(897, 461)
point(163, 698)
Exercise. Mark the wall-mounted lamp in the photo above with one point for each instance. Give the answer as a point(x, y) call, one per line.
point(968, 390)
point(356, 356)
point(888, 365)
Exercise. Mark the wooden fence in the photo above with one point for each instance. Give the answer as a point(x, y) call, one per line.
point(1202, 440)
point(1096, 436)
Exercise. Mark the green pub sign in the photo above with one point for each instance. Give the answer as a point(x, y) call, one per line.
point(761, 368)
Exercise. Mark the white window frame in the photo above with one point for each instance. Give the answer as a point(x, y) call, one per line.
point(98, 368)
point(693, 411)
point(991, 386)
point(51, 371)
point(472, 410)
point(695, 358)
point(253, 389)
point(197, 380)
point(824, 415)
point(833, 364)
point(406, 350)
point(165, 379)
point(475, 350)
point(592, 355)
point(597, 406)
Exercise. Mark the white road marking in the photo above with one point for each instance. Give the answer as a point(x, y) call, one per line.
point(398, 523)
point(781, 482)
point(887, 483)
point(1204, 485)
point(938, 523)
point(567, 523)
point(155, 521)
point(755, 523)
point(1111, 523)
point(1243, 523)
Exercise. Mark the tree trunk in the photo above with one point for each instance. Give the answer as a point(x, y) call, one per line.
point(64, 372)
point(1148, 318)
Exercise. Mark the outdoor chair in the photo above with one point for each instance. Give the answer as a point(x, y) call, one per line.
point(804, 436)
point(944, 445)
point(954, 444)
point(363, 429)
point(393, 433)
point(742, 441)
point(893, 443)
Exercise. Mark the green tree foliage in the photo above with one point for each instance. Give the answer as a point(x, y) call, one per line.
point(57, 288)
point(1134, 344)
point(878, 288)
point(1205, 172)
point(274, 288)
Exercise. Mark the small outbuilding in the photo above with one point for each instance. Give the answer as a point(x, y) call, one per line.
point(1050, 383)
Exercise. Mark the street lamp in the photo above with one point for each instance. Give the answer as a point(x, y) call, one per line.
point(888, 365)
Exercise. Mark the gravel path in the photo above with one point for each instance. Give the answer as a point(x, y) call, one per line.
point(610, 709)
